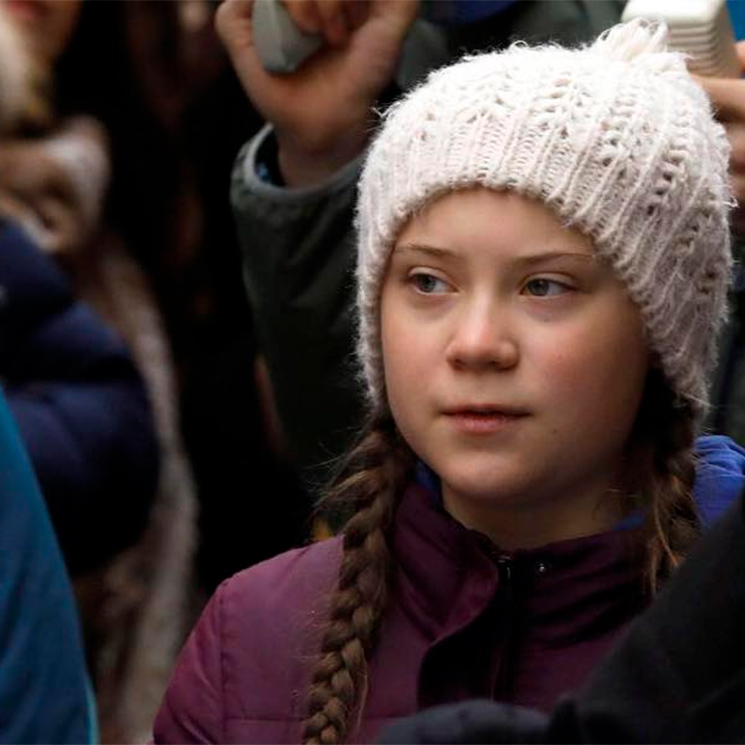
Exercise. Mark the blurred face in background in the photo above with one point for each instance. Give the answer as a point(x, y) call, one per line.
point(47, 25)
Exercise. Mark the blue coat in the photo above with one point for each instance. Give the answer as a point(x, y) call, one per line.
point(80, 406)
point(44, 695)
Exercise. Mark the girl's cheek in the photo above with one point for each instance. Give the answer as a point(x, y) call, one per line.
point(574, 359)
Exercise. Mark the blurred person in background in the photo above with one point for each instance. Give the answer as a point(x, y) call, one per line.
point(44, 691)
point(728, 97)
point(127, 528)
point(175, 115)
point(203, 115)
point(150, 171)
point(72, 385)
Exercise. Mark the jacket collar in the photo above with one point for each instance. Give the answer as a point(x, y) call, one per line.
point(449, 573)
point(567, 588)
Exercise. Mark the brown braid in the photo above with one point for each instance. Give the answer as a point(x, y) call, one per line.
point(664, 462)
point(377, 469)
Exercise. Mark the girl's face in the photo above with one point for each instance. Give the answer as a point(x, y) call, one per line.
point(514, 363)
point(48, 25)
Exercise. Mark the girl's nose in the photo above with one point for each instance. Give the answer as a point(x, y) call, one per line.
point(483, 338)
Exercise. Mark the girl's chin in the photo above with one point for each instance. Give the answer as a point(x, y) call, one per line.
point(498, 492)
point(489, 478)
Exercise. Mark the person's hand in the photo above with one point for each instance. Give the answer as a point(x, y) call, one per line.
point(728, 97)
point(321, 112)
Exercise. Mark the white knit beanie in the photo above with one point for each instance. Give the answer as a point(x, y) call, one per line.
point(615, 137)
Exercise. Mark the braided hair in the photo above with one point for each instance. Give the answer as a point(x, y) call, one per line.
point(376, 471)
point(663, 465)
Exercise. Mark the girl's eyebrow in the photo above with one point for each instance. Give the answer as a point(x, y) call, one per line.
point(421, 248)
point(547, 256)
point(528, 260)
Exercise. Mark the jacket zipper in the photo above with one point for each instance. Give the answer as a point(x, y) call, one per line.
point(505, 568)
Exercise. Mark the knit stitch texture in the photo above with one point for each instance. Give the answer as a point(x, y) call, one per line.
point(615, 137)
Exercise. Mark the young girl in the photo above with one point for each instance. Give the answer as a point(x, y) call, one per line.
point(543, 263)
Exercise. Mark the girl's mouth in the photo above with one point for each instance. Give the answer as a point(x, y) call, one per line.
point(482, 420)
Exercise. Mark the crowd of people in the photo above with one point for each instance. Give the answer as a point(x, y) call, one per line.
point(459, 294)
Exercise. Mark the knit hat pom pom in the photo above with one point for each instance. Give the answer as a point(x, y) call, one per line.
point(640, 41)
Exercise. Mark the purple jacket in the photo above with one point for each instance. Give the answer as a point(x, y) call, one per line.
point(465, 622)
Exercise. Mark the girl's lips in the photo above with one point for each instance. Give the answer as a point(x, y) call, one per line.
point(483, 422)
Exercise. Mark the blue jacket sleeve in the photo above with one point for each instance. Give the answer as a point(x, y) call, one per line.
point(43, 682)
point(80, 406)
point(720, 476)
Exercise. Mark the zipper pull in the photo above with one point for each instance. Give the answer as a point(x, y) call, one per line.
point(504, 567)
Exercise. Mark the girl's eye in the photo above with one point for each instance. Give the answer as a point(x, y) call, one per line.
point(542, 287)
point(428, 284)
